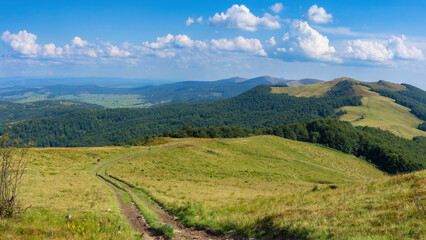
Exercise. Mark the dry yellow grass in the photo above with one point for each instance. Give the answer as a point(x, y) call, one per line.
point(382, 112)
point(261, 182)
point(256, 185)
point(58, 182)
point(314, 90)
point(375, 111)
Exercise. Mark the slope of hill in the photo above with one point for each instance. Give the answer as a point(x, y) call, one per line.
point(378, 109)
point(255, 108)
point(261, 186)
point(382, 112)
point(302, 82)
point(15, 112)
point(270, 187)
point(386, 151)
point(145, 96)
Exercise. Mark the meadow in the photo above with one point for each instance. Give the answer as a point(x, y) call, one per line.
point(375, 111)
point(60, 182)
point(110, 100)
point(267, 185)
point(261, 186)
point(382, 112)
point(105, 100)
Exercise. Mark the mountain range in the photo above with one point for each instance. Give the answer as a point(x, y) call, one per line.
point(144, 96)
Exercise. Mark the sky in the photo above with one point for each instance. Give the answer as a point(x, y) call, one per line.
point(210, 40)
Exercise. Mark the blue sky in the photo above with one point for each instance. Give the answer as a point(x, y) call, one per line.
point(209, 40)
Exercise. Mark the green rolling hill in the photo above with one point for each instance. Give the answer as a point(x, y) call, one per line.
point(399, 108)
point(271, 187)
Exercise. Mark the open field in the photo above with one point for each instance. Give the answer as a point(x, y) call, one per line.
point(110, 100)
point(259, 185)
point(59, 182)
point(382, 112)
point(256, 186)
point(105, 100)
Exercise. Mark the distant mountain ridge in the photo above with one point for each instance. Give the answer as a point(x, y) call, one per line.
point(255, 108)
point(145, 96)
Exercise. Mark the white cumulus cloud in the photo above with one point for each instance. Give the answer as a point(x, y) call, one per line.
point(114, 51)
point(200, 19)
point(23, 42)
point(77, 41)
point(311, 42)
point(170, 41)
point(394, 48)
point(189, 21)
point(250, 45)
point(271, 41)
point(402, 51)
point(240, 17)
point(277, 7)
point(52, 51)
point(368, 50)
point(318, 15)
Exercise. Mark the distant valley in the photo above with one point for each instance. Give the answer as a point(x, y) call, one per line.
point(111, 95)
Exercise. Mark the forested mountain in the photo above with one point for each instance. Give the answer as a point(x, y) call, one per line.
point(28, 82)
point(399, 108)
point(145, 96)
point(14, 112)
point(255, 108)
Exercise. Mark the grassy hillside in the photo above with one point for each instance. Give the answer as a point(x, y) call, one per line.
point(258, 186)
point(376, 110)
point(314, 90)
point(59, 182)
point(261, 185)
point(382, 112)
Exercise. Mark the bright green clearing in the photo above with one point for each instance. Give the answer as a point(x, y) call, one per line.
point(263, 184)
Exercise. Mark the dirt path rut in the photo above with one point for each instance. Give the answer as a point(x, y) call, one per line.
point(136, 219)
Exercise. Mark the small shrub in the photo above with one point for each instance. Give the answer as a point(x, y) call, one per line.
point(12, 167)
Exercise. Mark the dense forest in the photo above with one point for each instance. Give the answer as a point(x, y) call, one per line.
point(388, 152)
point(255, 108)
point(422, 126)
point(14, 112)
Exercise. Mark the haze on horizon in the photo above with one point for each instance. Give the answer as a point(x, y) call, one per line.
point(193, 40)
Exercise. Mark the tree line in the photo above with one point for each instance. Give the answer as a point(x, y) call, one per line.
point(255, 108)
point(388, 152)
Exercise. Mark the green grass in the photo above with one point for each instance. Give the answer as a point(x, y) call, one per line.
point(261, 185)
point(105, 100)
point(58, 182)
point(149, 215)
point(258, 186)
point(384, 113)
point(375, 111)
point(110, 100)
point(316, 90)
